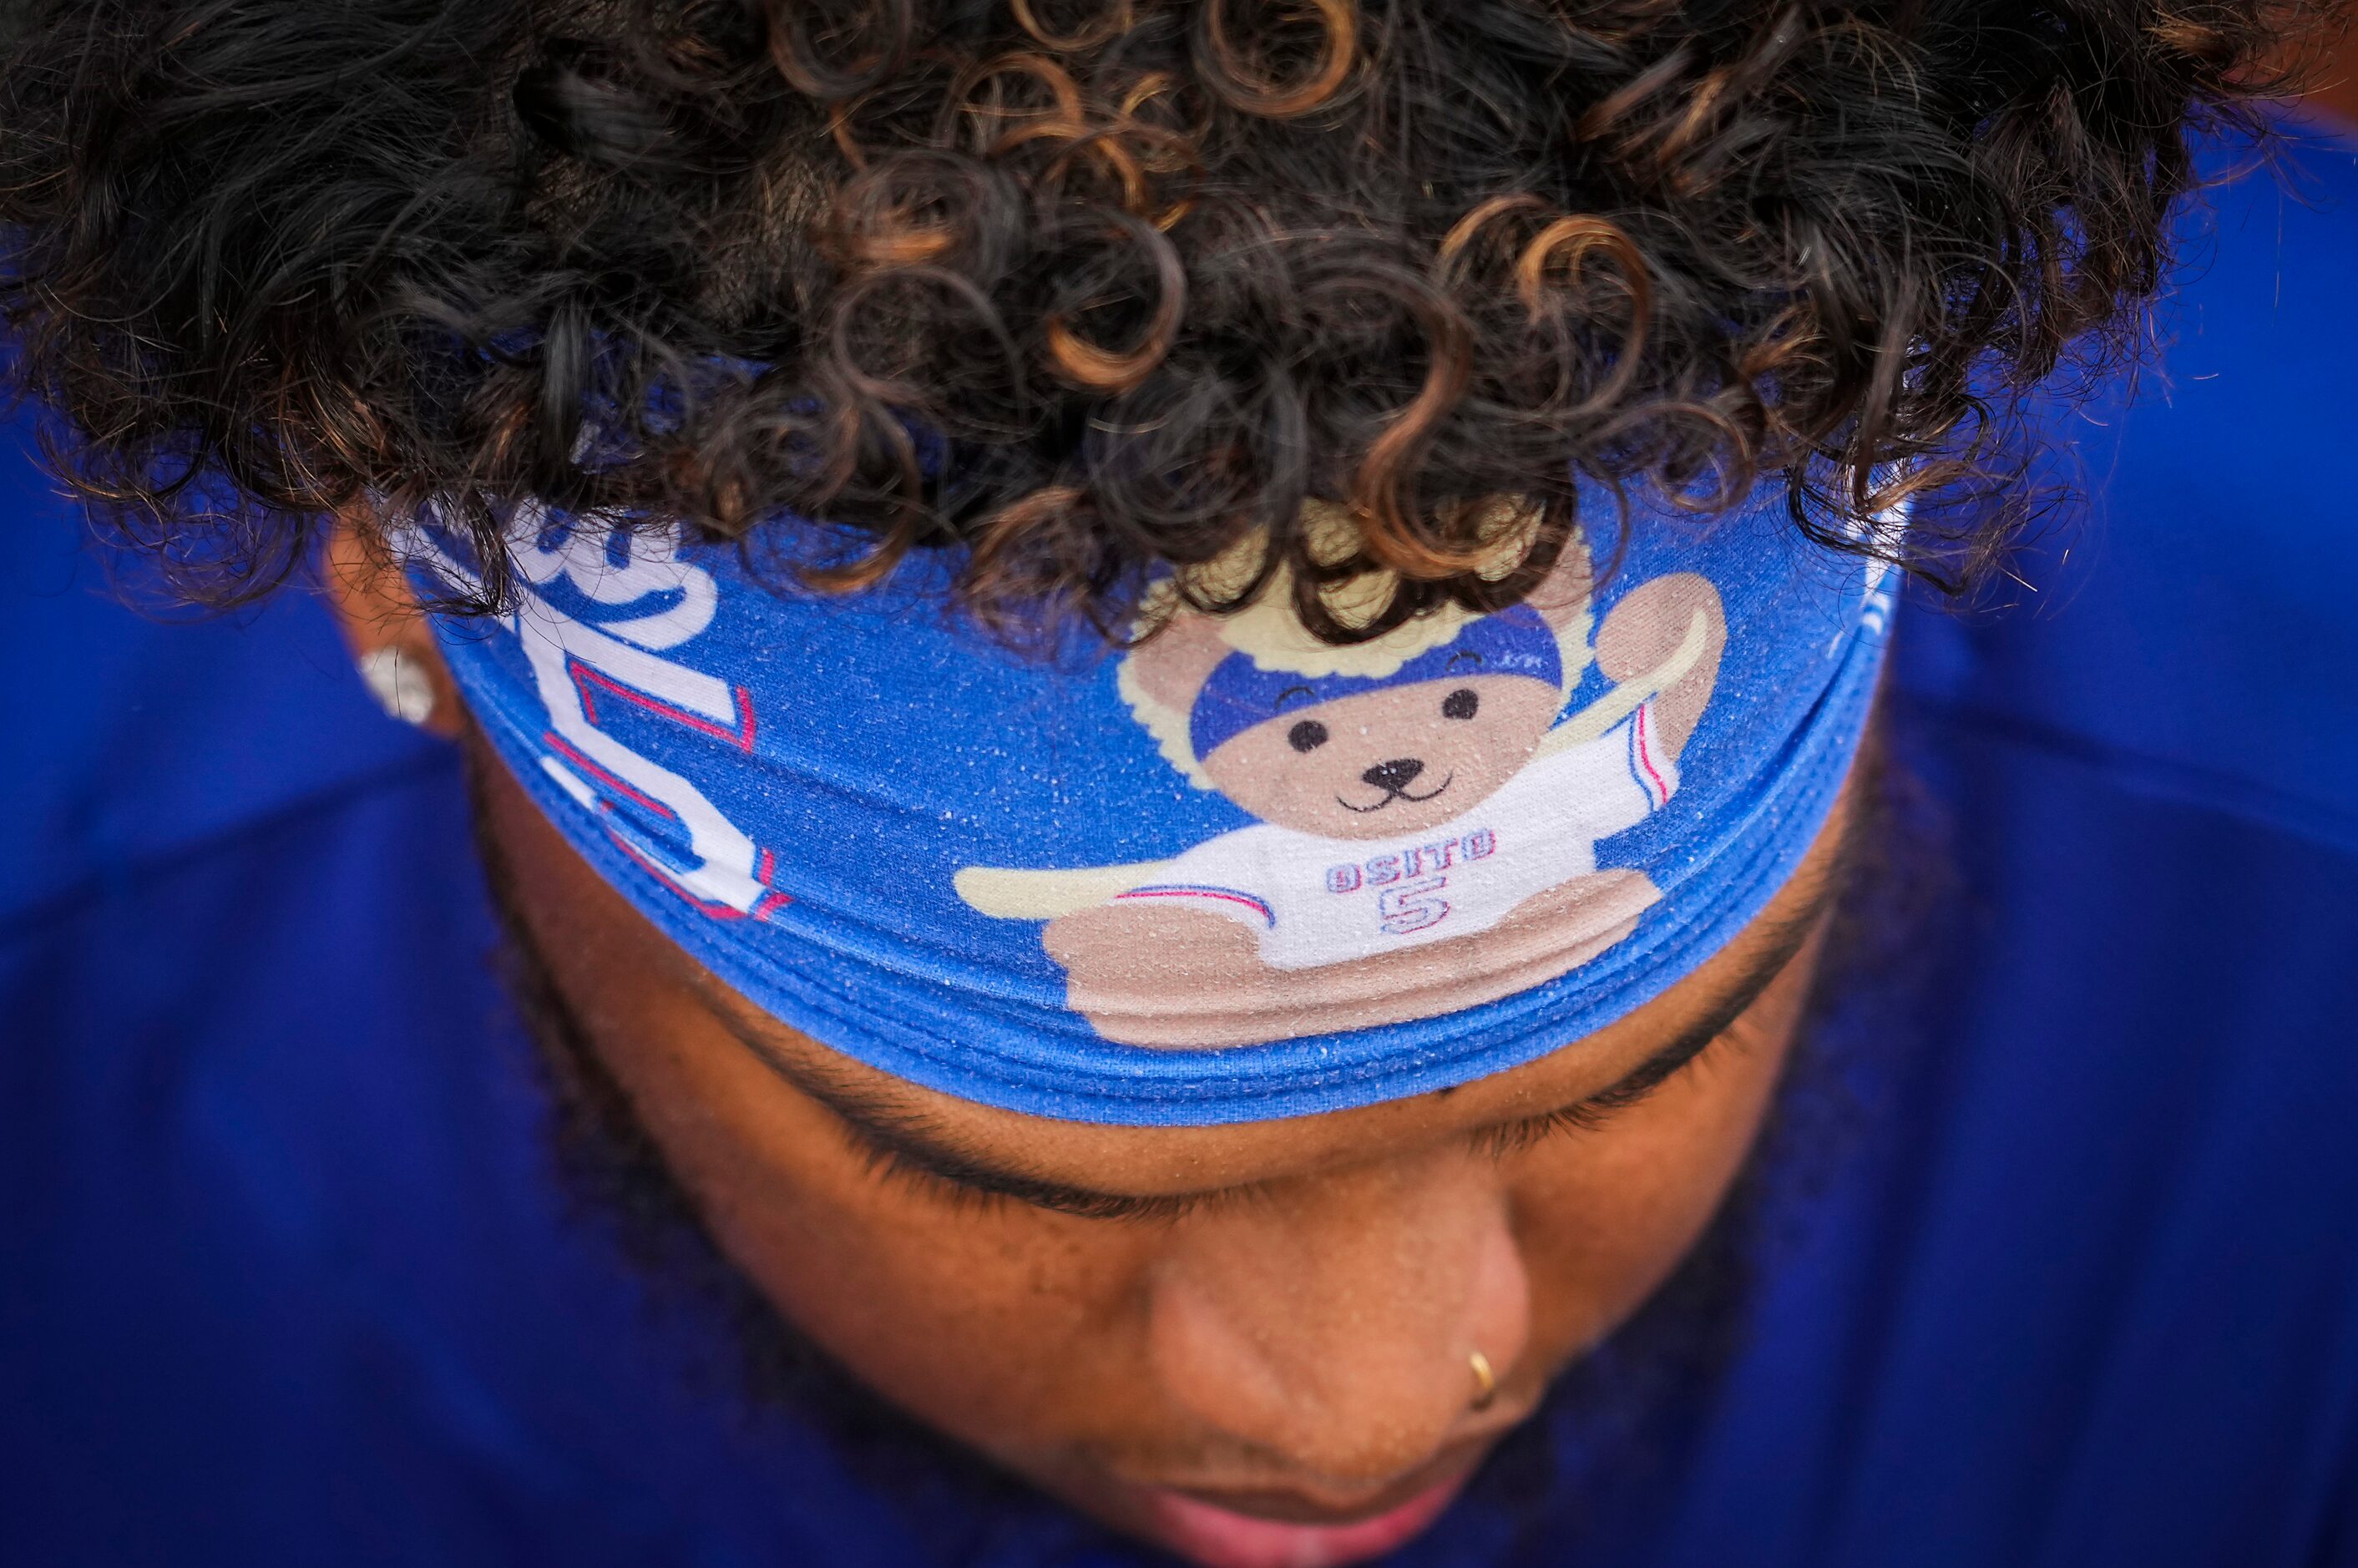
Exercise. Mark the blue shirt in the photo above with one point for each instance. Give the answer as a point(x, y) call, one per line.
point(2060, 1266)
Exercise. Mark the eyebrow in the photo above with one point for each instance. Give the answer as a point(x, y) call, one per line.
point(897, 1138)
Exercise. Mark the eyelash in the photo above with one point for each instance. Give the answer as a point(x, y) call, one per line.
point(890, 1168)
point(888, 1164)
point(1518, 1137)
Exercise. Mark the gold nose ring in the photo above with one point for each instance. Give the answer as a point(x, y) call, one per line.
point(1486, 1381)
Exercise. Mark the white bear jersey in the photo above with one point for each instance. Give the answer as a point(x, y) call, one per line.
point(1316, 900)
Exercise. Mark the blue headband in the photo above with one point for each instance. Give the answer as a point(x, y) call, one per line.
point(1239, 693)
point(1230, 874)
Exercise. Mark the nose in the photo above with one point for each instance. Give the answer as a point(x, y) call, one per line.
point(1393, 776)
point(1332, 1326)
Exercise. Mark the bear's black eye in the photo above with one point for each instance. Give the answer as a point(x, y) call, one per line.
point(1306, 736)
point(1460, 704)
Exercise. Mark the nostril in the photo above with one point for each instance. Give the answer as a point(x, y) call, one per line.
point(1395, 774)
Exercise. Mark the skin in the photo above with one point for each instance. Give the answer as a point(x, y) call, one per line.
point(1278, 1317)
point(2337, 94)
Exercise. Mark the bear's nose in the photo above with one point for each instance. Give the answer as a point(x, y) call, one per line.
point(1393, 776)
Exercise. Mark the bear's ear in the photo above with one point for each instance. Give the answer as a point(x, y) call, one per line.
point(1562, 596)
point(1171, 666)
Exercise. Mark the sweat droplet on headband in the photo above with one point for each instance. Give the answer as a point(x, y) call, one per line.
point(1230, 874)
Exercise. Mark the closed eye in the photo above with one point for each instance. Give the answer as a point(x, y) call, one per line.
point(896, 1167)
point(1588, 1115)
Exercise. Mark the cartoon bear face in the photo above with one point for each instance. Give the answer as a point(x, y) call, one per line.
point(1362, 757)
point(1370, 740)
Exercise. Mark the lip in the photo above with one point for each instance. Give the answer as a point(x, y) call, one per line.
point(1215, 1535)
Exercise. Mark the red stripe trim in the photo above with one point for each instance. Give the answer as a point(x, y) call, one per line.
point(1637, 739)
point(741, 737)
point(573, 754)
point(772, 900)
point(663, 875)
point(770, 904)
point(1222, 894)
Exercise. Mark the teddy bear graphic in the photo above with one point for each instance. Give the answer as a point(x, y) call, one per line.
point(1427, 812)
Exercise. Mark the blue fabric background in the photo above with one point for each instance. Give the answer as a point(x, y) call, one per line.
point(284, 1278)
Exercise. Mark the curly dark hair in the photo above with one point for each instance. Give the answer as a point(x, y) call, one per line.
point(1081, 287)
